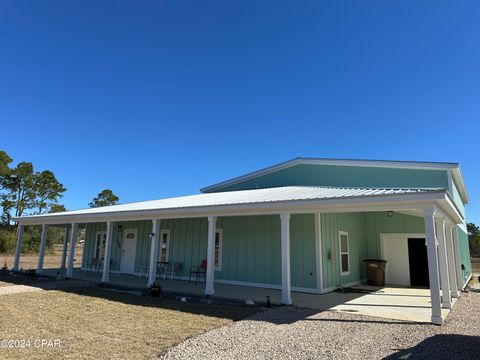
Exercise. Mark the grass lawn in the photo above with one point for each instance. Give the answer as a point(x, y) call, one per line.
point(93, 323)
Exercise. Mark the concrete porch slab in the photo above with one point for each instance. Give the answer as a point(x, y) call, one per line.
point(397, 303)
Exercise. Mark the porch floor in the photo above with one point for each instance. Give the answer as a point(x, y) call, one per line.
point(397, 303)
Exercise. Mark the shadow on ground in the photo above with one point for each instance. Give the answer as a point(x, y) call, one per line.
point(448, 346)
point(90, 289)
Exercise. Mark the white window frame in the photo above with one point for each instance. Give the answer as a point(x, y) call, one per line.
point(101, 249)
point(340, 234)
point(220, 246)
point(167, 253)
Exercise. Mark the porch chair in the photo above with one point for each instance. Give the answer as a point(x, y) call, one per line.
point(177, 267)
point(95, 264)
point(162, 267)
point(198, 271)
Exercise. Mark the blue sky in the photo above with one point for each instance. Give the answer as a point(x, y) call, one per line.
point(161, 98)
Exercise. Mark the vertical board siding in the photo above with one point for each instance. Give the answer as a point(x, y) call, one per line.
point(251, 246)
point(343, 176)
point(355, 225)
point(251, 249)
point(142, 252)
point(380, 222)
point(302, 251)
point(464, 252)
point(188, 241)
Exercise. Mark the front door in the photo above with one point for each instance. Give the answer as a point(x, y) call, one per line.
point(129, 247)
point(417, 259)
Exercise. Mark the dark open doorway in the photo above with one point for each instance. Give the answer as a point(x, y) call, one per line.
point(417, 259)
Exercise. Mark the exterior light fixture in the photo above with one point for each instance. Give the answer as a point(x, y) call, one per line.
point(390, 213)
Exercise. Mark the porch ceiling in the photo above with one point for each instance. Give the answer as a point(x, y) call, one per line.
point(270, 200)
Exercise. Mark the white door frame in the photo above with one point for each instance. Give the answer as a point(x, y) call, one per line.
point(125, 232)
point(403, 236)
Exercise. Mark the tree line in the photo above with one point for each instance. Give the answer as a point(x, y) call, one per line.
point(25, 191)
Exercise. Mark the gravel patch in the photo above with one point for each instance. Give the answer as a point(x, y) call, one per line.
point(292, 333)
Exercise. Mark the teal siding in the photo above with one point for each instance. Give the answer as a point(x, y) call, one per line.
point(302, 251)
point(251, 249)
point(188, 241)
point(354, 224)
point(379, 222)
point(348, 176)
point(464, 253)
point(142, 253)
point(90, 230)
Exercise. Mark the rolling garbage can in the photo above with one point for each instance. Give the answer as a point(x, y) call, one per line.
point(375, 271)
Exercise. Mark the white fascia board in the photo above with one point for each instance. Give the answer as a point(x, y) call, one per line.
point(458, 180)
point(358, 204)
point(336, 162)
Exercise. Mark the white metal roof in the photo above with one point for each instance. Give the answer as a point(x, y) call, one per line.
point(243, 197)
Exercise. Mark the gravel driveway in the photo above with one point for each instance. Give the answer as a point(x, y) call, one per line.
point(291, 333)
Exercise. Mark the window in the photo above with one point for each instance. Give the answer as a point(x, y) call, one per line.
point(344, 253)
point(164, 245)
point(100, 240)
point(218, 249)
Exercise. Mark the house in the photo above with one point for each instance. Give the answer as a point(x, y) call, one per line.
point(304, 225)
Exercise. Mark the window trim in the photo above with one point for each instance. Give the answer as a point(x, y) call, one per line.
point(101, 249)
point(340, 233)
point(220, 249)
point(167, 253)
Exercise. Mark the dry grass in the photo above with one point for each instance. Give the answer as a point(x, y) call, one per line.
point(51, 260)
point(93, 323)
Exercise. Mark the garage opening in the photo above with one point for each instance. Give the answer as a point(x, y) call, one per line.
point(406, 256)
point(418, 262)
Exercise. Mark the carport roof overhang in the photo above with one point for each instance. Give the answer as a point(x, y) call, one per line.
point(414, 202)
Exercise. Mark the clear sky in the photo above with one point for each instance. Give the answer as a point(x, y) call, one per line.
point(161, 98)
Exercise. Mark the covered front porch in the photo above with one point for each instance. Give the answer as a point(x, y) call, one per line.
point(390, 302)
point(290, 249)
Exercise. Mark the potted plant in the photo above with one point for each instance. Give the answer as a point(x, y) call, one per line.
point(155, 290)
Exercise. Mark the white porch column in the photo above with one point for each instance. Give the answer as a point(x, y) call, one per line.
point(18, 250)
point(458, 265)
point(71, 250)
point(433, 265)
point(210, 276)
point(155, 236)
point(452, 273)
point(41, 251)
point(108, 251)
point(285, 241)
point(64, 248)
point(443, 263)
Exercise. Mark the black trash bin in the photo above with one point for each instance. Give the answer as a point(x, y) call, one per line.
point(375, 271)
